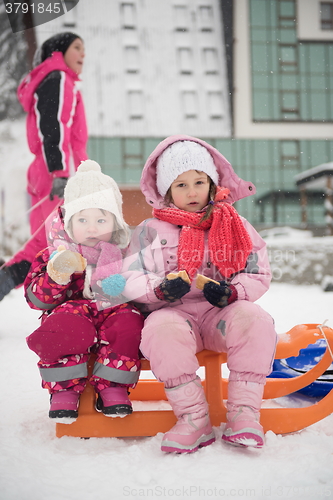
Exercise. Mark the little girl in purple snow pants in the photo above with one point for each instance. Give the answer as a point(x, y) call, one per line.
point(194, 228)
point(77, 283)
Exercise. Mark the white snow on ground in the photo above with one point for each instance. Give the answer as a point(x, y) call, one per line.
point(36, 465)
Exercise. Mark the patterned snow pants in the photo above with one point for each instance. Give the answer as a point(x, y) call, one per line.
point(75, 329)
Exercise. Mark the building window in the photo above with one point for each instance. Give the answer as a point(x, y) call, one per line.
point(286, 13)
point(128, 15)
point(210, 61)
point(215, 105)
point(132, 152)
point(181, 18)
point(135, 103)
point(206, 18)
point(290, 156)
point(288, 58)
point(289, 104)
point(190, 104)
point(326, 15)
point(132, 59)
point(185, 59)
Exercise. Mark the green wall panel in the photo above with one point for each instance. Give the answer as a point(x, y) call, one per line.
point(263, 162)
point(271, 58)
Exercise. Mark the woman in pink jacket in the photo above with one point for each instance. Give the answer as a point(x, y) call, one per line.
point(191, 188)
point(57, 136)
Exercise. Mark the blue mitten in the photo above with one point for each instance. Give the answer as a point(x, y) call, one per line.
point(113, 285)
point(219, 295)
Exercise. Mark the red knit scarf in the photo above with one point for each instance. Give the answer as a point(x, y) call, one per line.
point(228, 241)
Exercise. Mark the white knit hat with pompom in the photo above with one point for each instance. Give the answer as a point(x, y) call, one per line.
point(90, 188)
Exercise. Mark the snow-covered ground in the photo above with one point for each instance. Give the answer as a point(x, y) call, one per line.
point(36, 465)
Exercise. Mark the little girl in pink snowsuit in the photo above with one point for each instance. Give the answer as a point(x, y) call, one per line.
point(195, 228)
point(77, 283)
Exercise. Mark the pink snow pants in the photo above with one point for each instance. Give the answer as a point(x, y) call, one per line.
point(173, 335)
point(73, 330)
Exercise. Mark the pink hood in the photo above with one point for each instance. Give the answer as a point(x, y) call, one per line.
point(227, 177)
point(30, 83)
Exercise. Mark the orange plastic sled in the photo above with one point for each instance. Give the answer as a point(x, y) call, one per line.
point(90, 423)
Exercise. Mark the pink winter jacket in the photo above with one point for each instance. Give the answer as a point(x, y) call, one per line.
point(56, 122)
point(152, 253)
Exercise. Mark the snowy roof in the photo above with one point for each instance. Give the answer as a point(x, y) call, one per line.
point(315, 177)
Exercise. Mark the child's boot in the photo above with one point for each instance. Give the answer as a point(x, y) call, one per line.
point(193, 429)
point(114, 402)
point(64, 405)
point(243, 414)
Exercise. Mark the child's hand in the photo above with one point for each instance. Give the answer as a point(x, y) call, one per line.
point(58, 187)
point(63, 264)
point(172, 289)
point(221, 294)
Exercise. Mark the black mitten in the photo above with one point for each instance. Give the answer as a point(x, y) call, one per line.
point(58, 187)
point(219, 295)
point(172, 290)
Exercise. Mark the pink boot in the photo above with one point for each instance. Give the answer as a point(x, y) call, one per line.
point(114, 402)
point(64, 405)
point(193, 429)
point(244, 402)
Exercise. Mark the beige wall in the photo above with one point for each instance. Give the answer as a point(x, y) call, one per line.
point(308, 27)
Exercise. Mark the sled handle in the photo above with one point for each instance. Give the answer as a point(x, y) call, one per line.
point(299, 337)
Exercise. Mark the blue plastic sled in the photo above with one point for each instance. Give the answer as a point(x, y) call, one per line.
point(295, 366)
